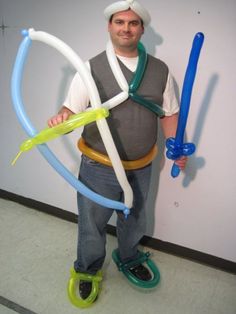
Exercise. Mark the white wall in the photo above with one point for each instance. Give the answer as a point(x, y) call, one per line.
point(196, 210)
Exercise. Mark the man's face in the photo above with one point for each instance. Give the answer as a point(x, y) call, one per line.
point(125, 31)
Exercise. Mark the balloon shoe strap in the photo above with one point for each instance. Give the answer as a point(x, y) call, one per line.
point(143, 258)
point(72, 288)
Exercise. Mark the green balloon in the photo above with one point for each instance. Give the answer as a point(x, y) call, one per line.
point(141, 67)
point(143, 257)
point(147, 104)
point(136, 81)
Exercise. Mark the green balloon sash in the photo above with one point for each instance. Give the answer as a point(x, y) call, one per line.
point(131, 89)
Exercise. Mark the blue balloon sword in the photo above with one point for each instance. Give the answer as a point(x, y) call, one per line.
point(176, 146)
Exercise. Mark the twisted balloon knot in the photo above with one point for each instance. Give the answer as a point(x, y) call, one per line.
point(176, 150)
point(126, 212)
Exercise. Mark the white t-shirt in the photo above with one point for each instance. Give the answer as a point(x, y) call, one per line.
point(77, 99)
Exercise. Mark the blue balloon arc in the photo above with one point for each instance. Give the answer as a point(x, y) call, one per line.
point(43, 148)
point(176, 146)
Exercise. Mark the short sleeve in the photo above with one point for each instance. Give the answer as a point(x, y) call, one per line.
point(77, 99)
point(170, 101)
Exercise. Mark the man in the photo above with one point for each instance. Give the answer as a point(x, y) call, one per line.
point(134, 130)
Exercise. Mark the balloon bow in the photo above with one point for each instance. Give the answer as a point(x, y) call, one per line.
point(98, 114)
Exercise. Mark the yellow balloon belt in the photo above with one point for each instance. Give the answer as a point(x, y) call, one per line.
point(105, 160)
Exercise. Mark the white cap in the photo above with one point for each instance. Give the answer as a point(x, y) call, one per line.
point(125, 5)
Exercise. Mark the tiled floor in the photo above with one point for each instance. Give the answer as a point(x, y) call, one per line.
point(38, 250)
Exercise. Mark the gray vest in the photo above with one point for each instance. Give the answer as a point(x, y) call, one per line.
point(133, 127)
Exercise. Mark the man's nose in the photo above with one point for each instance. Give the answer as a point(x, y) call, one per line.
point(126, 27)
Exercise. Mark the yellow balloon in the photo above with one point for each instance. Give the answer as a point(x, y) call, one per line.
point(74, 121)
point(105, 160)
point(72, 284)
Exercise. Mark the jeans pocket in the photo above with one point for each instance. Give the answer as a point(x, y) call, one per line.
point(89, 161)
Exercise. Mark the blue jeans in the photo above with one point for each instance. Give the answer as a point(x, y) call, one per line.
point(93, 218)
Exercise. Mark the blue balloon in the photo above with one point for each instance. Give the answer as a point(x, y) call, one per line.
point(43, 148)
point(176, 146)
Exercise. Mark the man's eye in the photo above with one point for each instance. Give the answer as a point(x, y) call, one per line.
point(135, 23)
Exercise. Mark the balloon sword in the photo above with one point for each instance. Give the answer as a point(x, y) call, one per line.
point(176, 146)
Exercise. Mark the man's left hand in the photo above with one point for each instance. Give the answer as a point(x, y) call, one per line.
point(181, 162)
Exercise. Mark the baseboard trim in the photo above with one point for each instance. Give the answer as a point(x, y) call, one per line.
point(170, 248)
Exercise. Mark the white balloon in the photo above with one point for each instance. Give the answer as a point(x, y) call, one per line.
point(125, 5)
point(115, 67)
point(116, 100)
point(95, 101)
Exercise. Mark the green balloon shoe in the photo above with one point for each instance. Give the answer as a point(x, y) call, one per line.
point(143, 258)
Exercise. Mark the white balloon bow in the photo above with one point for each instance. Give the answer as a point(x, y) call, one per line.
point(95, 101)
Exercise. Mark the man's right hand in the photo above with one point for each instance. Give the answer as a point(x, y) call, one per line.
point(62, 116)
